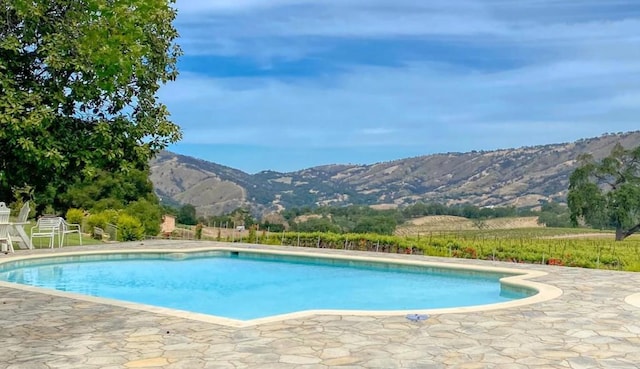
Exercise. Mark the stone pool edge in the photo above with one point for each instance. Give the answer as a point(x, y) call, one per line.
point(519, 279)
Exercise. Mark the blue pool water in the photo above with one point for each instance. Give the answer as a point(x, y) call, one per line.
point(250, 285)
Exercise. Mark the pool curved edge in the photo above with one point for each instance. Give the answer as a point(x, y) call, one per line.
point(519, 279)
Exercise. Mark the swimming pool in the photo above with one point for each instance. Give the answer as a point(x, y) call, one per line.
point(245, 285)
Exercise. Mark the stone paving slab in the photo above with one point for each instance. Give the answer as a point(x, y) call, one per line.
point(589, 326)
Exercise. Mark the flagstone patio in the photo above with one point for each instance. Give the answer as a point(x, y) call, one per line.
point(595, 323)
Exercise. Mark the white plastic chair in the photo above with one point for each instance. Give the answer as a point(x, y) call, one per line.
point(47, 227)
point(5, 238)
point(67, 228)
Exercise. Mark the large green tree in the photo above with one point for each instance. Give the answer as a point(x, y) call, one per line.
point(78, 84)
point(606, 194)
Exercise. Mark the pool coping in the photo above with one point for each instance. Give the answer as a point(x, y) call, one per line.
point(521, 278)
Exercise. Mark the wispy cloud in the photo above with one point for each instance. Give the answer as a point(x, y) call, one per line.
point(419, 76)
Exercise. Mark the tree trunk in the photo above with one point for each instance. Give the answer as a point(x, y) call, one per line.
point(622, 234)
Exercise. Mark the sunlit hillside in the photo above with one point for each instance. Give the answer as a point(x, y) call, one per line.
point(436, 223)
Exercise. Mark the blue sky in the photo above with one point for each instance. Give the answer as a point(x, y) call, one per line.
point(289, 84)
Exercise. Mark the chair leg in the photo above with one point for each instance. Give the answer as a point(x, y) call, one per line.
point(9, 245)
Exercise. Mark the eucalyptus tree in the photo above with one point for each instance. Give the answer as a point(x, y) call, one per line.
point(78, 84)
point(606, 193)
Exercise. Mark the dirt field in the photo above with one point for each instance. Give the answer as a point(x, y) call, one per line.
point(452, 223)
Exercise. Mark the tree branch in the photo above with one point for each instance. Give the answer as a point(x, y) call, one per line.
point(632, 230)
point(604, 179)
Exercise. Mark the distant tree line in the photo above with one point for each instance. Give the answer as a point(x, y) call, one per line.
point(348, 219)
point(553, 214)
point(352, 219)
point(467, 211)
point(186, 214)
point(364, 219)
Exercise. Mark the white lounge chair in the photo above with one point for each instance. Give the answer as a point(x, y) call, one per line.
point(5, 238)
point(47, 227)
point(19, 233)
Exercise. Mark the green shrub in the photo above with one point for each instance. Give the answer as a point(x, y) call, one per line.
point(49, 210)
point(199, 231)
point(148, 213)
point(129, 228)
point(99, 220)
point(111, 215)
point(106, 204)
point(74, 216)
point(252, 235)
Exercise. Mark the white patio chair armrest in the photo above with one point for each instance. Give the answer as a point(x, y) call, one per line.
point(67, 227)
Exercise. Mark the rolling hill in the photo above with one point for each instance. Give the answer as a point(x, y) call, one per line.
point(520, 177)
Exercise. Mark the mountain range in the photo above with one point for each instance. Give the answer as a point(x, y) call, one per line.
point(521, 177)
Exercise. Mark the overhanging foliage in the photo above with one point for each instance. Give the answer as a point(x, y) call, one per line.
point(78, 83)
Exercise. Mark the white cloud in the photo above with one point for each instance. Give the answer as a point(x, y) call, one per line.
point(202, 20)
point(554, 51)
point(404, 106)
point(337, 19)
point(576, 73)
point(200, 7)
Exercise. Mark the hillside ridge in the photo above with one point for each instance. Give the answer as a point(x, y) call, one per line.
point(521, 177)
